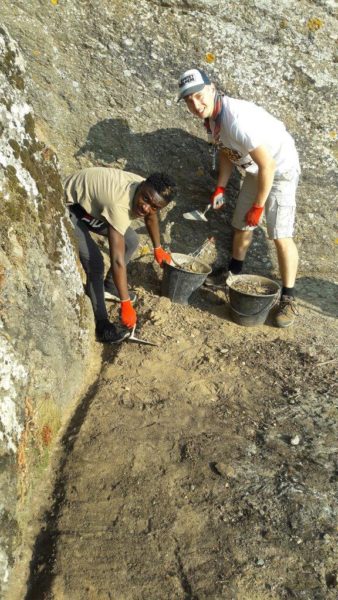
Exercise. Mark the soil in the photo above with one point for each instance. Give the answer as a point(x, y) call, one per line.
point(253, 289)
point(205, 468)
point(192, 267)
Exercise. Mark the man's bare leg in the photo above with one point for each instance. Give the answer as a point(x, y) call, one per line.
point(240, 243)
point(287, 255)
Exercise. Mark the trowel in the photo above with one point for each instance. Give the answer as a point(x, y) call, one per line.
point(197, 215)
point(133, 338)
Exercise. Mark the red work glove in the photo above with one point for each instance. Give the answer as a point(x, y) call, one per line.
point(128, 314)
point(161, 256)
point(217, 198)
point(253, 215)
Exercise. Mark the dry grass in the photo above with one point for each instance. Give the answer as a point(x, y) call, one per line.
point(42, 424)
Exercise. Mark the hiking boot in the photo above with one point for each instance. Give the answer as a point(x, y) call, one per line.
point(286, 312)
point(114, 297)
point(107, 333)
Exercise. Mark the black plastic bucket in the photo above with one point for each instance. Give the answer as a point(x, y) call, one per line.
point(251, 309)
point(177, 283)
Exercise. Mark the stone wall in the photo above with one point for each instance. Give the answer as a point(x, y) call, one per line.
point(44, 338)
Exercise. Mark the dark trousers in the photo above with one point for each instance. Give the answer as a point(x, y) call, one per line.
point(93, 264)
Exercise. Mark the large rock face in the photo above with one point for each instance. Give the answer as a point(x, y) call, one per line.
point(103, 81)
point(43, 322)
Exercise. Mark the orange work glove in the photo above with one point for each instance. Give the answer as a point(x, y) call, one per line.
point(128, 314)
point(161, 256)
point(217, 198)
point(253, 215)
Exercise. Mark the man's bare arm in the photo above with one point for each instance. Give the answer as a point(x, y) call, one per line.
point(117, 260)
point(266, 171)
point(225, 169)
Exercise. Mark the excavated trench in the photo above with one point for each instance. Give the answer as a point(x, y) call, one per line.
point(204, 468)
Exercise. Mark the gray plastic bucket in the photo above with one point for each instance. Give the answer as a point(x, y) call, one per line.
point(177, 283)
point(251, 309)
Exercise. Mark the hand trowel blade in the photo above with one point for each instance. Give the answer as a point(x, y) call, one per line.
point(195, 215)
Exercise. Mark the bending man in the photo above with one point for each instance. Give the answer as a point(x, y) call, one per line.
point(105, 201)
point(248, 136)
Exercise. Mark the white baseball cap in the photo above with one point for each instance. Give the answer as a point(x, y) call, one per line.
point(192, 81)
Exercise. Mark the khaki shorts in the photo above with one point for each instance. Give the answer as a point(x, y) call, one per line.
point(280, 207)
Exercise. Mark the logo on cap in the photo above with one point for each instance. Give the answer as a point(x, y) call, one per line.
point(192, 81)
point(186, 79)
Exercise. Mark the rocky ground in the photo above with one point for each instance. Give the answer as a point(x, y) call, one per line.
point(206, 467)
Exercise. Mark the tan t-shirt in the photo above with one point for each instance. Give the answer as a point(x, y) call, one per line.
point(105, 193)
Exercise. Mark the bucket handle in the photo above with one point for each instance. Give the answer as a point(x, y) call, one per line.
point(198, 251)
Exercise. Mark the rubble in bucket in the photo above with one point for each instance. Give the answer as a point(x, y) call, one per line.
point(251, 298)
point(183, 276)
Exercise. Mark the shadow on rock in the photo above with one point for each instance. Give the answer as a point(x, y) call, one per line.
point(185, 157)
point(173, 150)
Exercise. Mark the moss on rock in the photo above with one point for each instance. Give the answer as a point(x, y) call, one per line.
point(8, 67)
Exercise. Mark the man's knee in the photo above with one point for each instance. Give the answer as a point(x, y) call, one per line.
point(282, 243)
point(244, 235)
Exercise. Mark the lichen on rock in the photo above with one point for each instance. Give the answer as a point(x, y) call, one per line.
point(43, 314)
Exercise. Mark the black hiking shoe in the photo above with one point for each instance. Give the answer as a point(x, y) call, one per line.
point(286, 312)
point(107, 333)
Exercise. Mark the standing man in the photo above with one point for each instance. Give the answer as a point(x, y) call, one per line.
point(249, 137)
point(106, 200)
